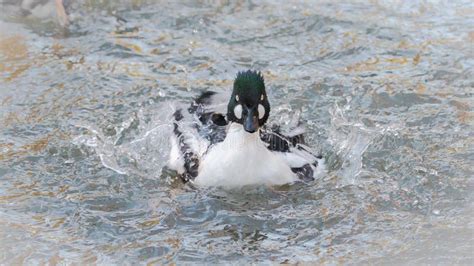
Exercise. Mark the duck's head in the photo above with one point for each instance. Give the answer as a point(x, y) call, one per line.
point(249, 104)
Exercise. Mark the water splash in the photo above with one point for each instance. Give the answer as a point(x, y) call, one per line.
point(140, 145)
point(350, 140)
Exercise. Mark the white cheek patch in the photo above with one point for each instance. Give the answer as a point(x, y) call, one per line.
point(238, 111)
point(261, 111)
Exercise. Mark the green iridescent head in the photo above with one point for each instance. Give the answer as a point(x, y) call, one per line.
point(249, 104)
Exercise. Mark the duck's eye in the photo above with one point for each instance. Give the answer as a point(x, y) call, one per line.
point(262, 97)
point(237, 98)
point(238, 111)
point(261, 111)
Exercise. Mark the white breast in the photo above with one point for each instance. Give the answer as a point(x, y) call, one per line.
point(242, 159)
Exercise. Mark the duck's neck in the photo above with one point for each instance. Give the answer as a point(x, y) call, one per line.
point(238, 137)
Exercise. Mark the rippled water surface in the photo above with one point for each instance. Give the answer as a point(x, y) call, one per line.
point(385, 89)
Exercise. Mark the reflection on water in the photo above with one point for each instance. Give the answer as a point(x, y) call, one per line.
point(385, 88)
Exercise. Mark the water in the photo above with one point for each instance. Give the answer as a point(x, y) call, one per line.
point(386, 89)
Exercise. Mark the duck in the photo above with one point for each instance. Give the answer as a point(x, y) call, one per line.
point(223, 140)
point(55, 10)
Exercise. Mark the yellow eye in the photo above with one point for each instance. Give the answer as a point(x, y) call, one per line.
point(237, 97)
point(262, 97)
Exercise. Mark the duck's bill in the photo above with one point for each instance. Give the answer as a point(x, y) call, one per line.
point(251, 121)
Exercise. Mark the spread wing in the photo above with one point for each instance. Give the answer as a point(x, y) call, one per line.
point(209, 109)
point(195, 129)
point(302, 161)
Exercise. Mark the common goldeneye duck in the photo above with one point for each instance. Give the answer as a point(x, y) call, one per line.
point(40, 9)
point(238, 149)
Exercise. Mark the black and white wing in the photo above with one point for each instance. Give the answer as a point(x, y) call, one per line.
point(291, 146)
point(209, 108)
point(195, 129)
